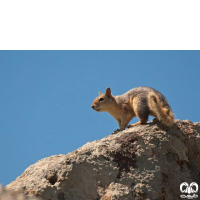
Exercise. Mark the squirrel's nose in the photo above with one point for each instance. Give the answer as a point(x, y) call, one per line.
point(92, 106)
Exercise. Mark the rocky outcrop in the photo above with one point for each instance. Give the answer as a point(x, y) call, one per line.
point(143, 162)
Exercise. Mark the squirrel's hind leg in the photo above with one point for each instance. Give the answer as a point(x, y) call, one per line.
point(141, 110)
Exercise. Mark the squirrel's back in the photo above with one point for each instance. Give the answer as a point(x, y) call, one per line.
point(150, 100)
point(142, 92)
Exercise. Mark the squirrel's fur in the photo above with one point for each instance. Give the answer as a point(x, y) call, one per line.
point(140, 102)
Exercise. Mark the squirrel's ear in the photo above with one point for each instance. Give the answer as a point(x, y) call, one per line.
point(100, 93)
point(108, 92)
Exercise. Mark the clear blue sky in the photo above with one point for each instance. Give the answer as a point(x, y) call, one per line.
point(46, 97)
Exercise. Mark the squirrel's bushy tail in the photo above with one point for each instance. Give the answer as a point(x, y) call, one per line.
point(161, 109)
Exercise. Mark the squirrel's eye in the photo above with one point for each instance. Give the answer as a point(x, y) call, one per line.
point(101, 99)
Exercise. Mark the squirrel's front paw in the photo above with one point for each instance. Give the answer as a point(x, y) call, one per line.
point(116, 131)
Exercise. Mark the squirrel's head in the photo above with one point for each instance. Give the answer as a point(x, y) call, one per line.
point(103, 101)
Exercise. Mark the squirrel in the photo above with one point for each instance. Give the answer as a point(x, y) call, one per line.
point(140, 102)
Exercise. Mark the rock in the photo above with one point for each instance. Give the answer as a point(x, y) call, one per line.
point(6, 195)
point(143, 162)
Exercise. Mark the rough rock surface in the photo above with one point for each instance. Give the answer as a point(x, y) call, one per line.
point(143, 162)
point(6, 195)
